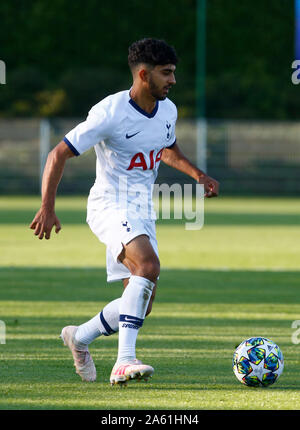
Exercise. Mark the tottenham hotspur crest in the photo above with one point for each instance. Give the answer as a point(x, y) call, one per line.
point(126, 225)
point(168, 126)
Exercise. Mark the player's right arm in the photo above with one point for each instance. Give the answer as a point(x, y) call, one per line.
point(45, 219)
point(84, 136)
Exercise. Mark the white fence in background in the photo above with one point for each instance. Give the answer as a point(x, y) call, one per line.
point(246, 156)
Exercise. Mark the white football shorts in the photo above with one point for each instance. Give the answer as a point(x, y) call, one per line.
point(116, 228)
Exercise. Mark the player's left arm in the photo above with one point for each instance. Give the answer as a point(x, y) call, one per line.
point(173, 157)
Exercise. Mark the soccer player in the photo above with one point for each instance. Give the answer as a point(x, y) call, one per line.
point(131, 131)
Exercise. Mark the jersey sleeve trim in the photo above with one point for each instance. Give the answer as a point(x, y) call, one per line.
point(73, 149)
point(171, 146)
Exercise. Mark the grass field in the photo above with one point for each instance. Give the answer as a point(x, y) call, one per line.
point(237, 277)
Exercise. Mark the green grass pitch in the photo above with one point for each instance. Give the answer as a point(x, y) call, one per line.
point(235, 278)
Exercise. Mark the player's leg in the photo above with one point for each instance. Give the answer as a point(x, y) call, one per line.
point(149, 309)
point(78, 338)
point(141, 260)
point(111, 231)
point(105, 322)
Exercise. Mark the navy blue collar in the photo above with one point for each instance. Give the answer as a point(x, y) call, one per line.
point(142, 111)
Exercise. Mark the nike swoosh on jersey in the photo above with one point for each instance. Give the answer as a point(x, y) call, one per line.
point(128, 136)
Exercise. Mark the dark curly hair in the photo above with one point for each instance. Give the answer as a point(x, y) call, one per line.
point(151, 51)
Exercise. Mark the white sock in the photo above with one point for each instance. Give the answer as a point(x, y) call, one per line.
point(133, 307)
point(106, 323)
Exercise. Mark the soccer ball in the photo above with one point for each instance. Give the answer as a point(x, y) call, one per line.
point(257, 362)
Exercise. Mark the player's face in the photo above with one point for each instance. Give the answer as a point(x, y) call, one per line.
point(161, 79)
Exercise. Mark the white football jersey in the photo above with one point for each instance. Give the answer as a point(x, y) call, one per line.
point(128, 142)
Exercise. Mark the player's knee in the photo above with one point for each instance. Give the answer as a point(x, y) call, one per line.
point(150, 269)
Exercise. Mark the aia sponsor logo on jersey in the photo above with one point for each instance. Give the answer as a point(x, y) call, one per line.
point(139, 160)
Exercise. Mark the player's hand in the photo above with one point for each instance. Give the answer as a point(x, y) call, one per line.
point(43, 223)
point(211, 186)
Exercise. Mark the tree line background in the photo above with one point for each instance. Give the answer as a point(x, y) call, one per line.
point(64, 56)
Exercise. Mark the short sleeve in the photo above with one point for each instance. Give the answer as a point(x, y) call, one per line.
point(172, 137)
point(172, 144)
point(88, 133)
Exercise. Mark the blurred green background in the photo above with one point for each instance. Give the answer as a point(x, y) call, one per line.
point(63, 56)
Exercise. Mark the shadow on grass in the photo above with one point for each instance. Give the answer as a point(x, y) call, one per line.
point(175, 286)
point(159, 328)
point(188, 375)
